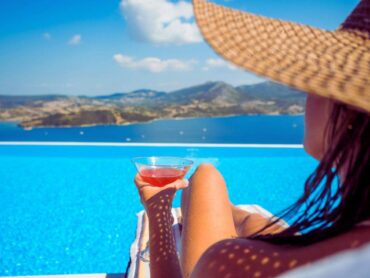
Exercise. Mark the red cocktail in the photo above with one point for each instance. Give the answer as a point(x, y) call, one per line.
point(160, 171)
point(161, 176)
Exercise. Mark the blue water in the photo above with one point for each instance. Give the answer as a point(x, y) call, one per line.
point(238, 129)
point(71, 209)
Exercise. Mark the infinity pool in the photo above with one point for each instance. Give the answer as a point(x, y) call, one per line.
point(72, 208)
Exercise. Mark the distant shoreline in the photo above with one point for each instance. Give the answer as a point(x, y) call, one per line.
point(151, 121)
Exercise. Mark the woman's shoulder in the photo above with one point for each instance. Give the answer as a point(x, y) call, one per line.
point(243, 257)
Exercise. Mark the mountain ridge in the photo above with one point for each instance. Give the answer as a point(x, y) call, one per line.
point(209, 99)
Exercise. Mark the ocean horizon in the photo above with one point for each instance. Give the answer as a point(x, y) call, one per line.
point(251, 129)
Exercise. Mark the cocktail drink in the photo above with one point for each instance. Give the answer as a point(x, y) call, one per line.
point(160, 171)
point(162, 176)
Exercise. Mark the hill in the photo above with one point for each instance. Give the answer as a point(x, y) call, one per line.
point(204, 100)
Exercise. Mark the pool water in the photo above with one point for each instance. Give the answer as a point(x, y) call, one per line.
point(72, 209)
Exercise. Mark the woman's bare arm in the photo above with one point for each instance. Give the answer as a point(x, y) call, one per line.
point(158, 202)
point(163, 257)
point(244, 258)
point(247, 223)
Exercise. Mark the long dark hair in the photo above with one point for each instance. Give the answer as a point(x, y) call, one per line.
point(331, 205)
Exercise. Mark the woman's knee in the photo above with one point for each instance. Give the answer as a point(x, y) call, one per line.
point(206, 173)
point(202, 174)
point(206, 169)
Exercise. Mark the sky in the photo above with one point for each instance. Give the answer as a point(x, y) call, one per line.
point(96, 47)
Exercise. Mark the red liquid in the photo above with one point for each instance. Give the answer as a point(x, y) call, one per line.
point(161, 176)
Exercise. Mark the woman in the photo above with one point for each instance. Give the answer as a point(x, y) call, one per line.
point(219, 240)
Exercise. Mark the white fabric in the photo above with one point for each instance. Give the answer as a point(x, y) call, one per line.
point(135, 248)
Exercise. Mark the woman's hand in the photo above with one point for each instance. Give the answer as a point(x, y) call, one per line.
point(153, 195)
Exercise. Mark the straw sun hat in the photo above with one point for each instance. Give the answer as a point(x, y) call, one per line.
point(333, 64)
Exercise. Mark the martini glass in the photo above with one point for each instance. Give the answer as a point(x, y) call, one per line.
point(160, 171)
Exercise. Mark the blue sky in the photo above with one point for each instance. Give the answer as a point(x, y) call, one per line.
point(80, 47)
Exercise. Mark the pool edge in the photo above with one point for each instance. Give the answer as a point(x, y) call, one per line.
point(106, 144)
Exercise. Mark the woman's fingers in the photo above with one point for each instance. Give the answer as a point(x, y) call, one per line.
point(184, 183)
point(140, 182)
point(178, 184)
point(147, 191)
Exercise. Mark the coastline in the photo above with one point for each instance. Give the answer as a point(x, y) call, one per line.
point(18, 123)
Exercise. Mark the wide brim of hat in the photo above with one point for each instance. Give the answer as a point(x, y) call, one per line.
point(333, 64)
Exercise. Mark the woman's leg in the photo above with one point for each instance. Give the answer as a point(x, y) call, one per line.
point(240, 216)
point(207, 215)
point(247, 223)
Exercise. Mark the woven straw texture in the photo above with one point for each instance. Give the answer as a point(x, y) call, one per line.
point(334, 64)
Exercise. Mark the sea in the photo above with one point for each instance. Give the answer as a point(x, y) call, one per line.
point(259, 129)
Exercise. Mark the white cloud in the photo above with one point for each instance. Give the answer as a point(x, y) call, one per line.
point(215, 62)
point(161, 21)
point(218, 63)
point(75, 40)
point(153, 64)
point(46, 36)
